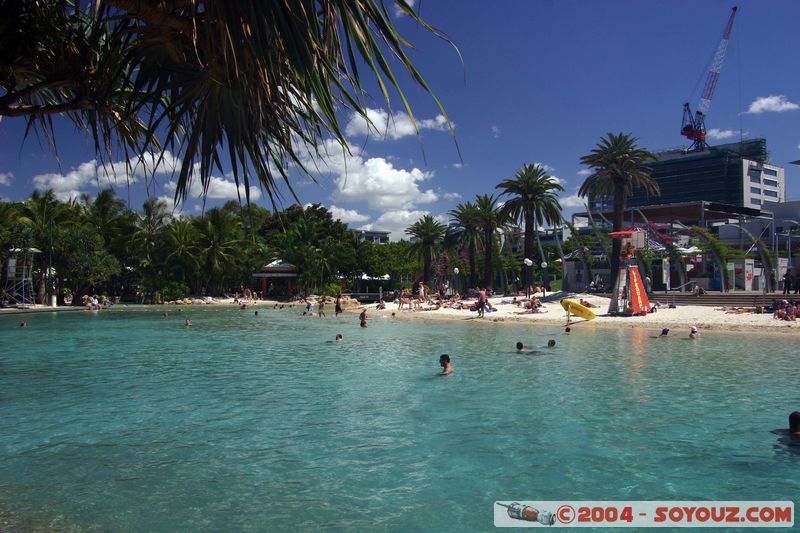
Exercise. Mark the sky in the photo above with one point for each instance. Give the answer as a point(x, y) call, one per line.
point(535, 81)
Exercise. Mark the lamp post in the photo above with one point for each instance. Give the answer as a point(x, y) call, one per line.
point(789, 243)
point(528, 264)
point(545, 278)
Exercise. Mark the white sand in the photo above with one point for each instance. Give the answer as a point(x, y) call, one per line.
point(679, 319)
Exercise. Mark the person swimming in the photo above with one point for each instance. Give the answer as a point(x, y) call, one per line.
point(339, 337)
point(256, 313)
point(794, 423)
point(664, 332)
point(188, 323)
point(693, 334)
point(520, 347)
point(363, 323)
point(567, 330)
point(447, 367)
point(551, 343)
point(23, 324)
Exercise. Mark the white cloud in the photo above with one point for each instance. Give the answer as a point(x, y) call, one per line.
point(495, 132)
point(399, 12)
point(69, 185)
point(458, 165)
point(218, 189)
point(394, 126)
point(718, 134)
point(374, 180)
point(557, 180)
point(396, 222)
point(776, 103)
point(544, 166)
point(584, 172)
point(451, 196)
point(347, 215)
point(572, 200)
point(383, 186)
point(94, 175)
point(5, 178)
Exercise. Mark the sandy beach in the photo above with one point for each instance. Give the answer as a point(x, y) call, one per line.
point(679, 320)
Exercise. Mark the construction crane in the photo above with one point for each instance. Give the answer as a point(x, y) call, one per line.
point(694, 125)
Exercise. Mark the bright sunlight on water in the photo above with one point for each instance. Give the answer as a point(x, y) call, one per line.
point(123, 421)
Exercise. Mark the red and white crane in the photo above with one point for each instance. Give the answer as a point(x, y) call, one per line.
point(694, 125)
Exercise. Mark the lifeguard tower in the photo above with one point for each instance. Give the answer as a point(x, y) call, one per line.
point(629, 296)
point(19, 279)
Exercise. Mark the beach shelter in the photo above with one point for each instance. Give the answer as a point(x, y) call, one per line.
point(277, 271)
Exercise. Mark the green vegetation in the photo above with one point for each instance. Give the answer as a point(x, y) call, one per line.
point(619, 167)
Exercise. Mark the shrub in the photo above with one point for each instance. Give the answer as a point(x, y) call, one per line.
point(174, 290)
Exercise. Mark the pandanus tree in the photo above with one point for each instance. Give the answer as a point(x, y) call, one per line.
point(466, 233)
point(492, 218)
point(533, 200)
point(249, 84)
point(618, 165)
point(427, 233)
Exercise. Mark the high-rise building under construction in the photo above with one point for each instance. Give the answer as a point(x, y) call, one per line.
point(736, 174)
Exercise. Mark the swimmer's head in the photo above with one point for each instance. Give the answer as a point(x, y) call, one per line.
point(567, 329)
point(519, 346)
point(664, 332)
point(551, 343)
point(794, 422)
point(338, 336)
point(694, 329)
point(444, 360)
point(256, 313)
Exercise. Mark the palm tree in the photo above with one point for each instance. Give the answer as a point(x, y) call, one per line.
point(428, 232)
point(466, 232)
point(180, 238)
point(149, 224)
point(42, 214)
point(534, 201)
point(219, 241)
point(207, 80)
point(491, 218)
point(619, 167)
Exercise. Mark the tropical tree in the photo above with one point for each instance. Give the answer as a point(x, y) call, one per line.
point(428, 232)
point(207, 80)
point(466, 233)
point(147, 238)
point(180, 240)
point(219, 241)
point(533, 200)
point(618, 167)
point(42, 214)
point(492, 219)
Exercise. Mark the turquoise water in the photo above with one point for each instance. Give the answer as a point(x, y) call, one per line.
point(122, 421)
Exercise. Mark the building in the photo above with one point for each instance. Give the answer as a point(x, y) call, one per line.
point(735, 174)
point(377, 237)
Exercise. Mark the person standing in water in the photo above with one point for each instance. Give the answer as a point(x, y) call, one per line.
point(447, 367)
point(322, 307)
point(338, 308)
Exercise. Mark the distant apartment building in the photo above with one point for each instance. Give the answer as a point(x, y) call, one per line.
point(737, 174)
point(377, 237)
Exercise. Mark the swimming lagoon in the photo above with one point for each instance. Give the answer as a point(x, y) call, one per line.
point(123, 421)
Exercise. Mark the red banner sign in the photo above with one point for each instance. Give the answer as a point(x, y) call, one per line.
point(639, 300)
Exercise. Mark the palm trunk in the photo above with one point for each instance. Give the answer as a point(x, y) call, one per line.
point(472, 277)
point(487, 258)
point(528, 248)
point(616, 244)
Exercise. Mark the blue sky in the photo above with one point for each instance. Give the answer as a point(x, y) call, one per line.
point(541, 82)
